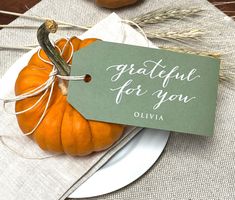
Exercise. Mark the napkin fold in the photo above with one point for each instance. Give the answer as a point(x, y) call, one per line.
point(26, 172)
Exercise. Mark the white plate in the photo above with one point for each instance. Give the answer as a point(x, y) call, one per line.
point(125, 167)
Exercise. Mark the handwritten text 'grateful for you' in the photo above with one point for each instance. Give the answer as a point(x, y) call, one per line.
point(152, 70)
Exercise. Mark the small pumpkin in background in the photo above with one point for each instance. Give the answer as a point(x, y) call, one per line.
point(112, 4)
point(63, 129)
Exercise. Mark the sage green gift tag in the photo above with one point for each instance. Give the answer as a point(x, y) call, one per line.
point(146, 87)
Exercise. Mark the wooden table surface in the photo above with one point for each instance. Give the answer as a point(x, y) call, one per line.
point(23, 5)
point(19, 6)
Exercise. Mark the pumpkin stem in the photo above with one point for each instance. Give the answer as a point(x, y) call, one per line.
point(50, 26)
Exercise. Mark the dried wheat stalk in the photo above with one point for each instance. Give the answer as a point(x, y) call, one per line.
point(152, 17)
point(29, 26)
point(42, 19)
point(223, 3)
point(16, 47)
point(158, 16)
point(192, 51)
point(185, 34)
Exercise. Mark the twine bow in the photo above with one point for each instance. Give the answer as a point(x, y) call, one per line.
point(46, 87)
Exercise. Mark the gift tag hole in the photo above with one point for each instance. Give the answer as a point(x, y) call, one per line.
point(87, 78)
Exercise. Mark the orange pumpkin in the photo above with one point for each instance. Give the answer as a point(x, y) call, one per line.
point(113, 4)
point(63, 129)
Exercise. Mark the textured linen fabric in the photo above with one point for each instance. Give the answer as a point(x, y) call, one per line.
point(191, 167)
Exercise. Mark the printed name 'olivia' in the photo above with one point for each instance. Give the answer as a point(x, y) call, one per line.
point(152, 116)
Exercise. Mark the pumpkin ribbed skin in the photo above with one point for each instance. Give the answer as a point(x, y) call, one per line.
point(63, 129)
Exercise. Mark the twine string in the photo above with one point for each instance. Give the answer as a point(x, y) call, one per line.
point(138, 27)
point(45, 87)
